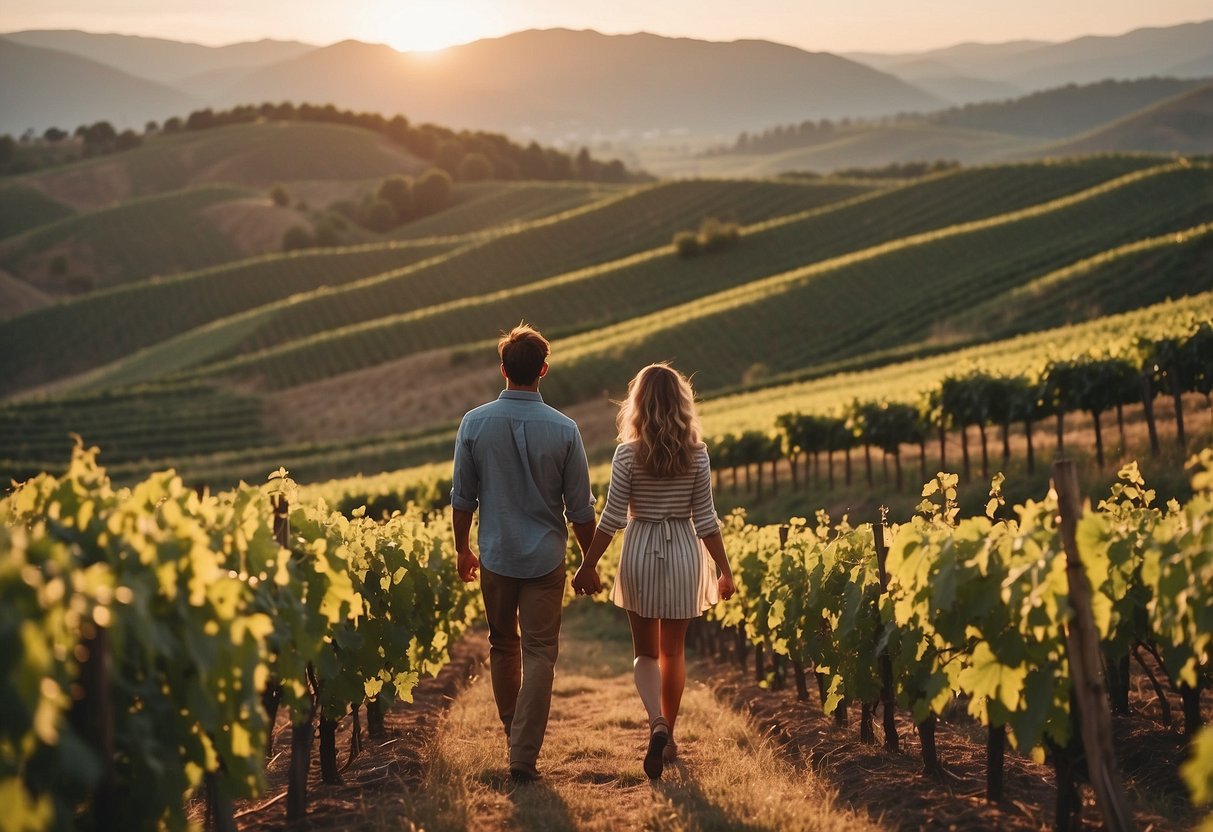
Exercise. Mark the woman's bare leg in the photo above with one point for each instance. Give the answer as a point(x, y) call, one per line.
point(673, 666)
point(645, 669)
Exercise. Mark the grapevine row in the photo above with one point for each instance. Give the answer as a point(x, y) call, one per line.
point(151, 634)
point(977, 611)
point(1134, 371)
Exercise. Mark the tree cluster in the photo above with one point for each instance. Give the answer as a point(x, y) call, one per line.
point(397, 200)
point(465, 155)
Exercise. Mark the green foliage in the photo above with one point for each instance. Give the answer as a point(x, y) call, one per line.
point(398, 191)
point(474, 167)
point(976, 608)
point(432, 192)
point(686, 243)
point(378, 215)
point(203, 613)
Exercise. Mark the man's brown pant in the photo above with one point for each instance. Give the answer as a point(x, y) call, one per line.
point(522, 666)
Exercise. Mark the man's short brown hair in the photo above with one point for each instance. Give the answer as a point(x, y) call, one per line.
point(523, 352)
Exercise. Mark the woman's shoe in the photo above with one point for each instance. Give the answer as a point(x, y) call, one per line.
point(659, 737)
point(670, 754)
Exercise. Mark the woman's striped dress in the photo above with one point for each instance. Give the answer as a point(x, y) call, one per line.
point(664, 571)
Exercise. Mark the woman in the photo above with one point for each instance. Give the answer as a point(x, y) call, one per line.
point(661, 489)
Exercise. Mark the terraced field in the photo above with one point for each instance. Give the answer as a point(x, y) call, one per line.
point(479, 206)
point(106, 326)
point(809, 316)
point(830, 277)
point(23, 208)
point(613, 291)
point(173, 234)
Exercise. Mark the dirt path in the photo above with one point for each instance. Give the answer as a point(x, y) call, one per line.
point(729, 775)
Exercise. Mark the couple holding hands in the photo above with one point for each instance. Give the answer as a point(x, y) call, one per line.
point(522, 464)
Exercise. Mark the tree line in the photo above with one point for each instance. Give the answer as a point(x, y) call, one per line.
point(465, 155)
point(977, 399)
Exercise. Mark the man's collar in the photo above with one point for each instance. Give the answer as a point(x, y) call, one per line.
point(524, 395)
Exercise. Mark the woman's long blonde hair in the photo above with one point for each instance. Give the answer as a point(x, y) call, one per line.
point(659, 415)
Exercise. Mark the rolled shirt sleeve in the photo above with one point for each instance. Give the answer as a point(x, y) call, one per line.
point(615, 514)
point(578, 500)
point(703, 508)
point(465, 481)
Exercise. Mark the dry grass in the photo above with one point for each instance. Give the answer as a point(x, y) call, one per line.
point(729, 776)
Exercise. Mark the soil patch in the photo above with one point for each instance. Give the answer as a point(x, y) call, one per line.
point(388, 767)
point(891, 785)
point(255, 225)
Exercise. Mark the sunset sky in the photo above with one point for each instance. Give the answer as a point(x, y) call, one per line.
point(826, 25)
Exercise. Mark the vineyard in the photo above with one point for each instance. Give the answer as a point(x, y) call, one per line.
point(121, 604)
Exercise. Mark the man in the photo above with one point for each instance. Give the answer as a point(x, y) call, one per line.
point(523, 464)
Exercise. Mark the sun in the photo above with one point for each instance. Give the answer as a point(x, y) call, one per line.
point(421, 25)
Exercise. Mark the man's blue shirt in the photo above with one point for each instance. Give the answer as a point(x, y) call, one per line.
point(523, 463)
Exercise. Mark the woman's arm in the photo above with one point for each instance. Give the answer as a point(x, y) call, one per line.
point(614, 517)
point(586, 580)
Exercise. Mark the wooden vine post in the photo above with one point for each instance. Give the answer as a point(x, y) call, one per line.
point(1086, 671)
point(886, 664)
point(302, 725)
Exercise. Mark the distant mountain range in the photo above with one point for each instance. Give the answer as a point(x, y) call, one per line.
point(1183, 51)
point(559, 84)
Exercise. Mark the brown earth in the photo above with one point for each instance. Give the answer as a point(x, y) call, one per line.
point(387, 769)
point(892, 785)
point(255, 225)
point(18, 297)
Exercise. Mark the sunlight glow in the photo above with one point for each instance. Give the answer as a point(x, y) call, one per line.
point(421, 25)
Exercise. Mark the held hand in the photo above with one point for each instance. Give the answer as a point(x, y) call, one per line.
point(727, 589)
point(468, 565)
point(586, 581)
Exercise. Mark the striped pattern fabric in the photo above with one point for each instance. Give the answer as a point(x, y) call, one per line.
point(664, 570)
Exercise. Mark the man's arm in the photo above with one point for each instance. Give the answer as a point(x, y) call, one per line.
point(584, 532)
point(466, 561)
point(465, 488)
point(578, 501)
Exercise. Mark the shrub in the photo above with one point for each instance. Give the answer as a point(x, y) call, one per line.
point(127, 140)
point(326, 234)
point(279, 196)
point(432, 192)
point(715, 234)
point(475, 167)
point(295, 238)
point(686, 243)
point(398, 191)
point(58, 265)
point(378, 215)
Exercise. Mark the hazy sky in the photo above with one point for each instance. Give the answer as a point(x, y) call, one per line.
point(826, 25)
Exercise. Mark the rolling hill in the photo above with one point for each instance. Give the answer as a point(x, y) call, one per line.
point(170, 61)
point(1030, 125)
point(362, 358)
point(41, 88)
point(536, 82)
point(1182, 51)
point(1183, 124)
point(253, 155)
